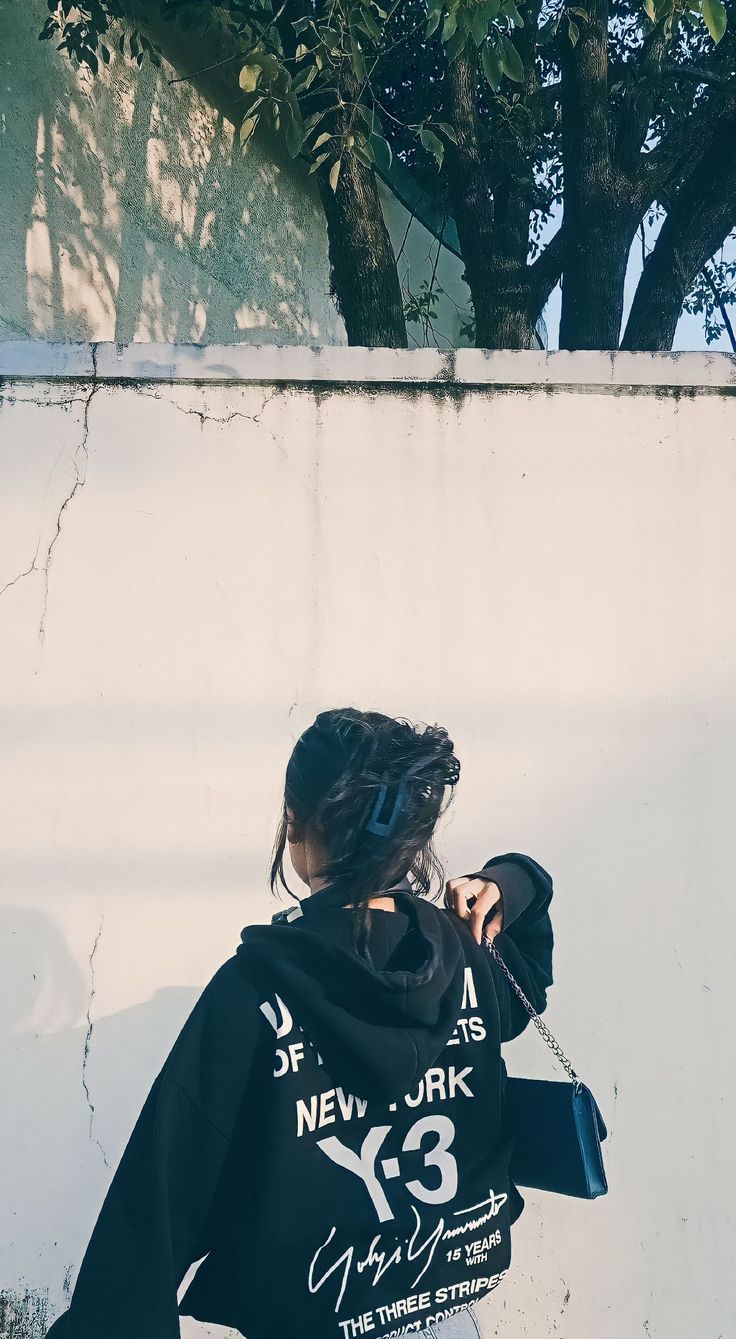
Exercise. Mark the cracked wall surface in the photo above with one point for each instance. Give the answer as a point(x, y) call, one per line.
point(188, 573)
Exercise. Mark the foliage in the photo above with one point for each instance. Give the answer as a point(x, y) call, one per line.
point(354, 79)
point(320, 91)
point(712, 294)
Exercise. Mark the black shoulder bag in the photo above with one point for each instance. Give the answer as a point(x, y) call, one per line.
point(556, 1127)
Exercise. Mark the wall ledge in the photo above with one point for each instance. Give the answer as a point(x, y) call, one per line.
point(336, 365)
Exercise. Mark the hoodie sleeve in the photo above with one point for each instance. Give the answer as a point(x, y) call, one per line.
point(526, 941)
point(154, 1220)
point(515, 881)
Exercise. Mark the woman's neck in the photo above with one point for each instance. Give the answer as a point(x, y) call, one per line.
point(378, 902)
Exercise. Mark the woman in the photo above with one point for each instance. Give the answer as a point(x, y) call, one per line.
point(327, 1130)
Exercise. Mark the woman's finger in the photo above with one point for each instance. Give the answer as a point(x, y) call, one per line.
point(484, 896)
point(483, 907)
point(457, 894)
point(494, 926)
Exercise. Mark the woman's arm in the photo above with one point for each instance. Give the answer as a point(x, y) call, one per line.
point(519, 890)
point(154, 1221)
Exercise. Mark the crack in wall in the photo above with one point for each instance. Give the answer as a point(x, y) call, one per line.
point(59, 403)
point(88, 1041)
point(14, 580)
point(202, 414)
point(78, 483)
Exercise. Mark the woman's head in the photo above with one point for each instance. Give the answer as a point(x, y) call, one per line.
point(362, 797)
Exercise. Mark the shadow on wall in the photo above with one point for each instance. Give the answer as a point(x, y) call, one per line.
point(134, 215)
point(51, 1199)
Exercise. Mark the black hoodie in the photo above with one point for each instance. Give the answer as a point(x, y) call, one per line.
point(327, 1130)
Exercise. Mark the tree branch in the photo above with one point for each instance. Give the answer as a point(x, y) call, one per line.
point(678, 155)
point(640, 100)
point(699, 219)
point(546, 271)
point(718, 299)
point(695, 74)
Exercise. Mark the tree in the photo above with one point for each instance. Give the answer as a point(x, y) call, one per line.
point(551, 134)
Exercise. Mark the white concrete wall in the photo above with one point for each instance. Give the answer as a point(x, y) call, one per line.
point(538, 553)
point(130, 214)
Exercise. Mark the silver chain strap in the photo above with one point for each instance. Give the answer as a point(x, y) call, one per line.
point(554, 1046)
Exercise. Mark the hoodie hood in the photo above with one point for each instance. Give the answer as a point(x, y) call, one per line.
point(377, 1031)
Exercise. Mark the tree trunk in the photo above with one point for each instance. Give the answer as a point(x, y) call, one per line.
point(599, 242)
point(697, 223)
point(598, 224)
point(496, 280)
point(364, 280)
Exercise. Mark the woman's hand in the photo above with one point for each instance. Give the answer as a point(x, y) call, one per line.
point(474, 899)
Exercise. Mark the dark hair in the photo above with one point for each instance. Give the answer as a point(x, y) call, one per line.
point(333, 782)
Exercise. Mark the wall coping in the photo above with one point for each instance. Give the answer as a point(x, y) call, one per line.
point(35, 360)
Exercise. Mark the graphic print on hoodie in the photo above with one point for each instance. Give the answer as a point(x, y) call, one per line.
point(328, 1131)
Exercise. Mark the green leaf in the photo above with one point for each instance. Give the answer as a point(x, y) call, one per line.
point(304, 79)
point(368, 21)
point(479, 25)
point(715, 18)
point(282, 82)
point(246, 130)
point(447, 130)
point(318, 163)
point(511, 60)
point(294, 138)
point(364, 152)
point(573, 31)
point(433, 20)
point(381, 152)
point(251, 74)
point(450, 25)
point(358, 62)
point(322, 139)
point(335, 173)
point(456, 44)
point(490, 63)
point(432, 144)
point(509, 11)
point(295, 129)
point(300, 24)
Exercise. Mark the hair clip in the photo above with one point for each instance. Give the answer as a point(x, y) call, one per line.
point(384, 827)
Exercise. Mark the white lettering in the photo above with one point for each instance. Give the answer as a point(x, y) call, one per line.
point(306, 1116)
point(362, 1165)
point(439, 1157)
point(470, 999)
point(280, 1026)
